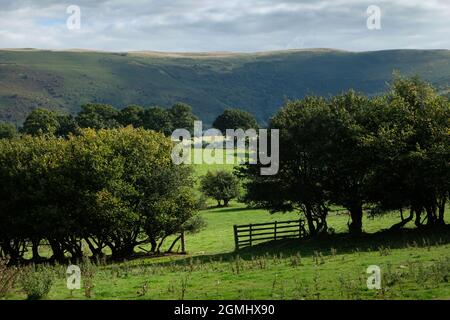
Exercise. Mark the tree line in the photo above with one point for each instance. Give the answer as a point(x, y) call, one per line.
point(97, 116)
point(41, 121)
point(100, 189)
point(375, 154)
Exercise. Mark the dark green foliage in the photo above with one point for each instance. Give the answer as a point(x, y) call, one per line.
point(384, 153)
point(411, 157)
point(304, 130)
point(67, 126)
point(98, 116)
point(157, 119)
point(41, 122)
point(114, 188)
point(131, 115)
point(221, 186)
point(235, 119)
point(182, 117)
point(8, 131)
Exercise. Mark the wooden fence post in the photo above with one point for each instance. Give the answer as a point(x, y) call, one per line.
point(275, 231)
point(251, 227)
point(300, 228)
point(236, 239)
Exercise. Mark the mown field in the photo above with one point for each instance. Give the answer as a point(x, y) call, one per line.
point(415, 265)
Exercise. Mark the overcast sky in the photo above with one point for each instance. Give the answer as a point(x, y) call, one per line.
point(225, 25)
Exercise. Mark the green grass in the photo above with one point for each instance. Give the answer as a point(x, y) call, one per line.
point(414, 265)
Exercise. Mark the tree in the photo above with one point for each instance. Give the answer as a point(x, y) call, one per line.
point(221, 186)
point(67, 125)
point(28, 170)
point(158, 119)
point(304, 129)
point(235, 119)
point(97, 116)
point(130, 188)
point(131, 115)
point(181, 116)
point(8, 131)
point(412, 153)
point(323, 160)
point(41, 122)
point(114, 188)
point(348, 161)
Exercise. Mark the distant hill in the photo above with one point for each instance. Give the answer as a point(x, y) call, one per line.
point(210, 82)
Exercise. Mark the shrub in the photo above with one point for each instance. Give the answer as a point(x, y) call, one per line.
point(36, 282)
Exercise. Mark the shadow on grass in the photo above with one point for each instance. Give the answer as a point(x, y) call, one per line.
point(342, 243)
point(229, 209)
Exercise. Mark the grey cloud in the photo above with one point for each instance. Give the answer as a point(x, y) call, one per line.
point(232, 25)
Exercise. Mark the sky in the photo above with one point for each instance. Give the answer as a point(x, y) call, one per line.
point(225, 25)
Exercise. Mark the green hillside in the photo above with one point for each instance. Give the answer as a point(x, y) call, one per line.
point(209, 82)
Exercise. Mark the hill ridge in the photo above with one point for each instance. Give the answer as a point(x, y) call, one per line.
point(210, 82)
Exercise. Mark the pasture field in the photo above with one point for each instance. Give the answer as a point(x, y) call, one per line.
point(414, 265)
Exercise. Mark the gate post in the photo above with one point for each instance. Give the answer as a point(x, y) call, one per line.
point(275, 231)
point(236, 239)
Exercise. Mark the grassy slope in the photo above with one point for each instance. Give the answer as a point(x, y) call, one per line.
point(255, 82)
point(413, 265)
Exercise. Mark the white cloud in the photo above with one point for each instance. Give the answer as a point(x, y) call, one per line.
point(232, 25)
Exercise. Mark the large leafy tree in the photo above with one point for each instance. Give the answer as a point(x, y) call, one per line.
point(304, 128)
point(29, 170)
point(113, 188)
point(8, 131)
point(323, 160)
point(131, 115)
point(158, 119)
point(97, 116)
point(345, 157)
point(235, 119)
point(41, 122)
point(412, 152)
point(181, 116)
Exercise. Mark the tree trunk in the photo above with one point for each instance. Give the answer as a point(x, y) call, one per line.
point(173, 243)
point(58, 252)
point(431, 215)
point(123, 252)
point(441, 220)
point(417, 222)
point(158, 249)
point(401, 224)
point(35, 250)
point(356, 213)
point(96, 251)
point(153, 245)
point(309, 219)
